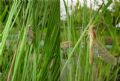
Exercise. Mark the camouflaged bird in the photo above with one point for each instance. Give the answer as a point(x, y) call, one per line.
point(30, 35)
point(64, 46)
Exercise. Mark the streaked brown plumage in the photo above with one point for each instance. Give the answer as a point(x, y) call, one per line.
point(30, 35)
point(65, 44)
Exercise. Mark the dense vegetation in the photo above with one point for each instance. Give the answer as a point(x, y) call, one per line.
point(76, 43)
point(29, 40)
point(35, 45)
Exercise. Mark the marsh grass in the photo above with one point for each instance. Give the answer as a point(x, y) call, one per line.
point(29, 60)
point(31, 35)
point(75, 29)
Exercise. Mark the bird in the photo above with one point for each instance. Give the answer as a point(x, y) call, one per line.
point(30, 35)
point(98, 49)
point(65, 45)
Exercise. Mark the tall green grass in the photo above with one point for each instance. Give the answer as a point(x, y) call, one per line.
point(31, 33)
point(75, 29)
point(30, 55)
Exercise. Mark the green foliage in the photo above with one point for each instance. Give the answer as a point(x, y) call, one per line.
point(76, 67)
point(38, 60)
point(30, 36)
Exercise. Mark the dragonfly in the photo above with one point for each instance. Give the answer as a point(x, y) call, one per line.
point(97, 48)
